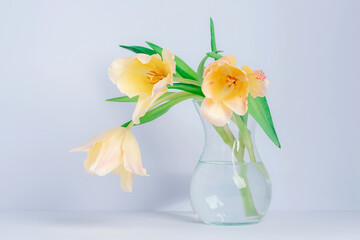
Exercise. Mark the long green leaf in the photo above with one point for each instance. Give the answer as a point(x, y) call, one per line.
point(200, 70)
point(187, 88)
point(160, 110)
point(181, 67)
point(123, 99)
point(212, 34)
point(139, 49)
point(259, 110)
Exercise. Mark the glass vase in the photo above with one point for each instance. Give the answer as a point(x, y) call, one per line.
point(230, 185)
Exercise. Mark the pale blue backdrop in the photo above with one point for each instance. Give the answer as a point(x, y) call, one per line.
point(54, 57)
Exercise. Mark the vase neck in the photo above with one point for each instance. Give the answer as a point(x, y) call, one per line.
point(226, 144)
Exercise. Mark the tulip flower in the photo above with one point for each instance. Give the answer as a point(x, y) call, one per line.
point(144, 76)
point(225, 88)
point(115, 150)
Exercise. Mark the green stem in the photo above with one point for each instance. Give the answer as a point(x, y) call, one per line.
point(245, 135)
point(246, 195)
point(229, 139)
point(241, 151)
point(169, 97)
point(187, 81)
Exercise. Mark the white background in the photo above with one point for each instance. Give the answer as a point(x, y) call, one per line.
point(54, 57)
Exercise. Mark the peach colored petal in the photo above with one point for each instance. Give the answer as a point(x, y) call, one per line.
point(87, 146)
point(237, 104)
point(230, 59)
point(142, 106)
point(145, 59)
point(169, 60)
point(215, 112)
point(214, 82)
point(91, 157)
point(160, 86)
point(130, 75)
point(258, 84)
point(109, 154)
point(126, 178)
point(131, 155)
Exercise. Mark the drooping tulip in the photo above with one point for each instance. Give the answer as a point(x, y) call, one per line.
point(114, 150)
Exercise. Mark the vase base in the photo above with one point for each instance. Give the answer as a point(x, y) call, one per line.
point(231, 223)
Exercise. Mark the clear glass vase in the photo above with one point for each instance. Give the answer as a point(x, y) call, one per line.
point(230, 185)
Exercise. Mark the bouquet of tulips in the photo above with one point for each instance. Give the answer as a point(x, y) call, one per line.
point(156, 80)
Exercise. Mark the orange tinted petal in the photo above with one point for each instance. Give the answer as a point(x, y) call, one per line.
point(230, 59)
point(237, 104)
point(258, 84)
point(215, 112)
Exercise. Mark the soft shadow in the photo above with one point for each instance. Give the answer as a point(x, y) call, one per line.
point(110, 219)
point(180, 216)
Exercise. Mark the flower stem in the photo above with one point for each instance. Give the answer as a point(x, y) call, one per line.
point(246, 195)
point(245, 135)
point(244, 139)
point(187, 81)
point(168, 97)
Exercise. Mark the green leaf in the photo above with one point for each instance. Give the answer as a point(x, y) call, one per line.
point(123, 99)
point(139, 49)
point(160, 110)
point(212, 33)
point(259, 110)
point(215, 56)
point(187, 88)
point(200, 70)
point(181, 67)
point(133, 99)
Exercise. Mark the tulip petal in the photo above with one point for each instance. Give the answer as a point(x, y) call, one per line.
point(215, 112)
point(214, 82)
point(230, 59)
point(109, 155)
point(142, 106)
point(237, 104)
point(126, 178)
point(87, 146)
point(169, 60)
point(144, 58)
point(258, 84)
point(129, 75)
point(160, 86)
point(91, 156)
point(218, 78)
point(131, 155)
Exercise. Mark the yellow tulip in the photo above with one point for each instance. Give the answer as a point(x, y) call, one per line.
point(226, 88)
point(144, 76)
point(114, 150)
